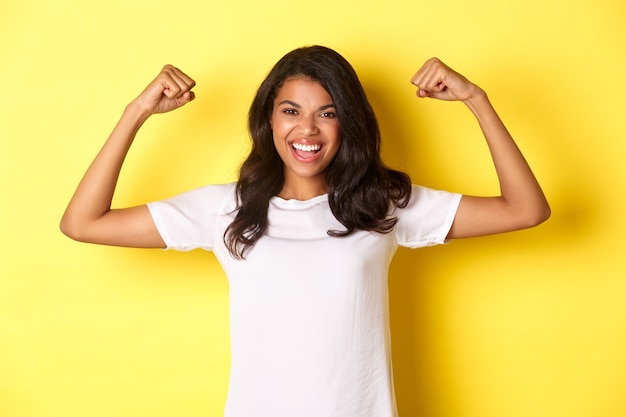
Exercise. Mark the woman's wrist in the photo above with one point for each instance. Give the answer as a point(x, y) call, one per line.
point(136, 111)
point(476, 96)
point(477, 100)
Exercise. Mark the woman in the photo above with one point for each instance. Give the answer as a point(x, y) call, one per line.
point(307, 232)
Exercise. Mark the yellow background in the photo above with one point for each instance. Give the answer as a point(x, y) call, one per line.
point(531, 323)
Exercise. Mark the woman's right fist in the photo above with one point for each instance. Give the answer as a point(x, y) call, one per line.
point(170, 90)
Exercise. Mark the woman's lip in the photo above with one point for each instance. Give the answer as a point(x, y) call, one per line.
point(305, 156)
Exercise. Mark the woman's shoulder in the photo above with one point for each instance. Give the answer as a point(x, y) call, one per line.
point(226, 188)
point(425, 200)
point(212, 197)
point(213, 190)
point(421, 193)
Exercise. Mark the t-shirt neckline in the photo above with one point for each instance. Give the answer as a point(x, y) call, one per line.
point(298, 204)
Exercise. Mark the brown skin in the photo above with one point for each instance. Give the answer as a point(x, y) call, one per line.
point(304, 115)
point(89, 217)
point(522, 203)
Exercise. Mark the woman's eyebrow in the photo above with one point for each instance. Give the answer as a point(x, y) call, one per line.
point(290, 103)
point(296, 105)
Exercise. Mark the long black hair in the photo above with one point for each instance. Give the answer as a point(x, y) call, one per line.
point(362, 191)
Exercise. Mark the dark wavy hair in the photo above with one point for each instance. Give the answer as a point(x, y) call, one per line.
point(362, 191)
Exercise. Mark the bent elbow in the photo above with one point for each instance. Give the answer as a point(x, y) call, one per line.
point(70, 229)
point(544, 213)
point(547, 212)
point(66, 229)
point(538, 216)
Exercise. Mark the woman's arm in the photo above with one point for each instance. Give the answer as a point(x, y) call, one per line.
point(522, 203)
point(88, 216)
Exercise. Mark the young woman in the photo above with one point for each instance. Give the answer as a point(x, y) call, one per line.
point(306, 234)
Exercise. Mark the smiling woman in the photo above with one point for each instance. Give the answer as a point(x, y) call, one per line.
point(307, 233)
point(306, 135)
point(360, 187)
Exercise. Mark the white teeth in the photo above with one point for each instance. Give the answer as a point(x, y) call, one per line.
point(306, 148)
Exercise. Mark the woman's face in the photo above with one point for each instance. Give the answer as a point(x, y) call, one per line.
point(306, 132)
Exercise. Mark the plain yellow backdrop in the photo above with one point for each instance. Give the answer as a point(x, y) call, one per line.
point(531, 323)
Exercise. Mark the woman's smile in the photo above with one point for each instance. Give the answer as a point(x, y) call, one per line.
point(306, 133)
point(306, 152)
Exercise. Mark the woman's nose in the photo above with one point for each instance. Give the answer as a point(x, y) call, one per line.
point(308, 126)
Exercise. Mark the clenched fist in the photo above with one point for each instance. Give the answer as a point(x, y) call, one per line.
point(170, 90)
point(436, 80)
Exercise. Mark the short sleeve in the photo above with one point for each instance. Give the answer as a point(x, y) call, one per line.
point(193, 220)
point(427, 219)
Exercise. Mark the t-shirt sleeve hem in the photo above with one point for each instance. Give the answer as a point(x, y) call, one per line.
point(158, 222)
point(445, 228)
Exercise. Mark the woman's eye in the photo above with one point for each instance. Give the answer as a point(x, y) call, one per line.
point(290, 111)
point(329, 114)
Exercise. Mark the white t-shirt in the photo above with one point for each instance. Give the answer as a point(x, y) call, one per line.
point(309, 312)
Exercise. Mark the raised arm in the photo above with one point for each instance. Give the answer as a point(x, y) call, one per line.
point(88, 216)
point(521, 203)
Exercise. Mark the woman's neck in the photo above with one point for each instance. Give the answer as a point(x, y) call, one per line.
point(304, 189)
